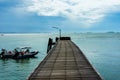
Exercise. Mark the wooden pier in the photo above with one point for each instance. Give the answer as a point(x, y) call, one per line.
point(65, 62)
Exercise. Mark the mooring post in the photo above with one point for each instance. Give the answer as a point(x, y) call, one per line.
point(56, 39)
point(50, 42)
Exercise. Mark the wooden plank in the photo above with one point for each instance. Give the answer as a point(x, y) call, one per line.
point(65, 62)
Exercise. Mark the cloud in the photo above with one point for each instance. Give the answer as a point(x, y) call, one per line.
point(87, 11)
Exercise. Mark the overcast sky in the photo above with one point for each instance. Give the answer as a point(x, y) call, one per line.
point(69, 15)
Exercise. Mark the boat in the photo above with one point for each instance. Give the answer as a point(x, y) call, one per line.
point(2, 34)
point(30, 55)
point(22, 53)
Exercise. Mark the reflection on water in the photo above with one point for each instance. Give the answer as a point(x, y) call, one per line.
point(22, 61)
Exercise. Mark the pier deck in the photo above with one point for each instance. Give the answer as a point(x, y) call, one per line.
point(65, 62)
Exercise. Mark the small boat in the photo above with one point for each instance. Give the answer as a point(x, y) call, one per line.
point(28, 55)
point(2, 34)
point(19, 53)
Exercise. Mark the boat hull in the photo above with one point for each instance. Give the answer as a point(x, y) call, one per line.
point(30, 55)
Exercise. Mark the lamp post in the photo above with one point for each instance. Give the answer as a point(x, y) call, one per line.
point(59, 30)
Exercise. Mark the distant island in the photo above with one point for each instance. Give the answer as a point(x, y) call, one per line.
point(2, 33)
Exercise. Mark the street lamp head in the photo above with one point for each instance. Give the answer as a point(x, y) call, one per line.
point(58, 29)
point(55, 27)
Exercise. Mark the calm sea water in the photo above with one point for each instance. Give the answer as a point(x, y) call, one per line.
point(102, 50)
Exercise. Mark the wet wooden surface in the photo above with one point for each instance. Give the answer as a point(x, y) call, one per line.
point(65, 62)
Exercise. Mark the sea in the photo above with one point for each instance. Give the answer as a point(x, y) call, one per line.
point(101, 49)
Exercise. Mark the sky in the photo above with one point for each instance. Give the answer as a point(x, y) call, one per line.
point(68, 15)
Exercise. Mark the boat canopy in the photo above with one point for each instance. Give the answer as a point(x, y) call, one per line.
point(23, 48)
